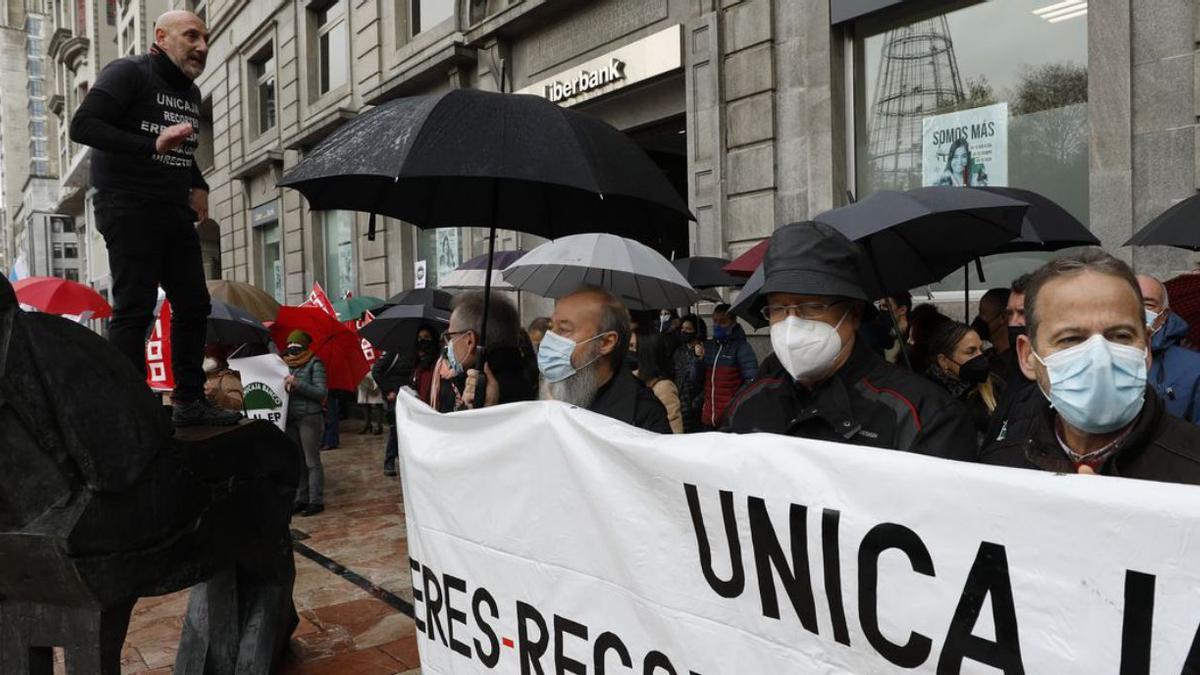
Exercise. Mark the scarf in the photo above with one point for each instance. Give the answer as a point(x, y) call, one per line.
point(298, 360)
point(956, 387)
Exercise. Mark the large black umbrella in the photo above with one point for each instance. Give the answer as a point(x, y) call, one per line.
point(1046, 226)
point(431, 297)
point(470, 158)
point(747, 299)
point(395, 330)
point(231, 325)
point(918, 237)
point(1178, 226)
point(706, 272)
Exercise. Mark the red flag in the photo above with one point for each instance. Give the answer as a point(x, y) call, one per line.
point(318, 299)
point(367, 348)
point(159, 374)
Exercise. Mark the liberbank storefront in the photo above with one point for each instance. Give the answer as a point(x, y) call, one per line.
point(637, 86)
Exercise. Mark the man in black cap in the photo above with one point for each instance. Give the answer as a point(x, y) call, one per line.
point(825, 384)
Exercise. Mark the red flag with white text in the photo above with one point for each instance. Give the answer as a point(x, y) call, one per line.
point(318, 298)
point(159, 374)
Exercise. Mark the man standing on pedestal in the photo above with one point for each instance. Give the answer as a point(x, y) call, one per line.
point(142, 119)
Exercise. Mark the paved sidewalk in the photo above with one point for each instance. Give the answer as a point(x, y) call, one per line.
point(344, 629)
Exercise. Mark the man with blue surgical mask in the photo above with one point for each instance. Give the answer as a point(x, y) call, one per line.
point(825, 382)
point(1088, 348)
point(1175, 370)
point(582, 361)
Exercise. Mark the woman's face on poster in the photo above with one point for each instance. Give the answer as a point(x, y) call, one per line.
point(958, 163)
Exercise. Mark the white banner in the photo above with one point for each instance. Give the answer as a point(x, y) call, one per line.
point(545, 539)
point(264, 397)
point(966, 148)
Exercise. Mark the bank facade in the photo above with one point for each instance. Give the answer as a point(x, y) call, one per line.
point(761, 112)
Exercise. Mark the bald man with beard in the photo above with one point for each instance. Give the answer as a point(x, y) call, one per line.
point(142, 120)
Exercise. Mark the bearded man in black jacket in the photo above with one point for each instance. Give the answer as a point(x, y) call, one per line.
point(142, 120)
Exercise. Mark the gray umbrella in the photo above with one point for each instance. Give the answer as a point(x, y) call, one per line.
point(637, 274)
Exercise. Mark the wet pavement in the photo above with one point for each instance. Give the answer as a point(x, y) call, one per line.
point(352, 579)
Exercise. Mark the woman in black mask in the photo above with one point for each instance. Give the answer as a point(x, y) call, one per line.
point(958, 363)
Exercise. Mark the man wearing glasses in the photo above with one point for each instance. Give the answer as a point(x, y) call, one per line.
point(826, 384)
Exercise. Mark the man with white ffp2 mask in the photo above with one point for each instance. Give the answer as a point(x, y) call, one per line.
point(827, 384)
point(1087, 348)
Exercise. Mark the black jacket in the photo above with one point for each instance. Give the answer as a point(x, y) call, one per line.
point(625, 398)
point(866, 402)
point(1159, 447)
point(392, 371)
point(1017, 411)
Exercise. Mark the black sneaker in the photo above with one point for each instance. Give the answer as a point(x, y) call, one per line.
point(202, 413)
point(389, 470)
point(312, 510)
point(298, 507)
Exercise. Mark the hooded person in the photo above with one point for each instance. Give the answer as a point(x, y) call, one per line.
point(824, 383)
point(1175, 370)
point(307, 388)
point(1088, 348)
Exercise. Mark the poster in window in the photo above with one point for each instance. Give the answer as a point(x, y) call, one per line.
point(447, 251)
point(966, 148)
point(277, 279)
point(419, 274)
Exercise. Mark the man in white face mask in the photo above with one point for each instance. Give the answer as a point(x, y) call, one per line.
point(582, 361)
point(1088, 349)
point(827, 384)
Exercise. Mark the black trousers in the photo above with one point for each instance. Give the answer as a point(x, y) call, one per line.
point(148, 246)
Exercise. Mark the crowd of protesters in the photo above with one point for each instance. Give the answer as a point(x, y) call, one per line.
point(1080, 366)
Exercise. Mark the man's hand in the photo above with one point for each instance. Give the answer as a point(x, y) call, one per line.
point(198, 200)
point(289, 382)
point(491, 397)
point(172, 137)
point(1086, 470)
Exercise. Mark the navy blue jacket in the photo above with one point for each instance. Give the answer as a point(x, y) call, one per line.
point(1175, 371)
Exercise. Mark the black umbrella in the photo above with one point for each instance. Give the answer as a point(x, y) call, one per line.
point(1178, 226)
point(232, 325)
point(1046, 226)
point(747, 299)
point(706, 272)
point(917, 237)
point(470, 158)
point(431, 297)
point(395, 330)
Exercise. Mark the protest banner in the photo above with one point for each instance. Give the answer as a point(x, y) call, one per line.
point(548, 539)
point(356, 325)
point(159, 374)
point(264, 397)
point(966, 148)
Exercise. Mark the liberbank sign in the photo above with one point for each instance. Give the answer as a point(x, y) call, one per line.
point(649, 57)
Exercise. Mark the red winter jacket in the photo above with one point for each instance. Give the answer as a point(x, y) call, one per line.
point(728, 364)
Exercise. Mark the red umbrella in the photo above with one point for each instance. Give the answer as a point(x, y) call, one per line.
point(53, 295)
point(745, 264)
point(338, 347)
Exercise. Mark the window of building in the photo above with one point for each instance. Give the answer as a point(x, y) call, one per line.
point(56, 250)
point(70, 250)
point(61, 225)
point(333, 50)
point(982, 95)
point(425, 14)
point(262, 89)
point(271, 259)
point(204, 151)
point(199, 8)
point(337, 238)
point(441, 249)
point(70, 274)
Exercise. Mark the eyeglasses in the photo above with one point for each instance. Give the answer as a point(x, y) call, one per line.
point(804, 310)
point(448, 336)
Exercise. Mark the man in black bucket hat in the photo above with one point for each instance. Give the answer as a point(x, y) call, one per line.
point(825, 383)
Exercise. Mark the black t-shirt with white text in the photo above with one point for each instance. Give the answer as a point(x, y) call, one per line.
point(132, 101)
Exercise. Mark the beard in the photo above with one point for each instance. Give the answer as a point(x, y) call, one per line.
point(578, 390)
